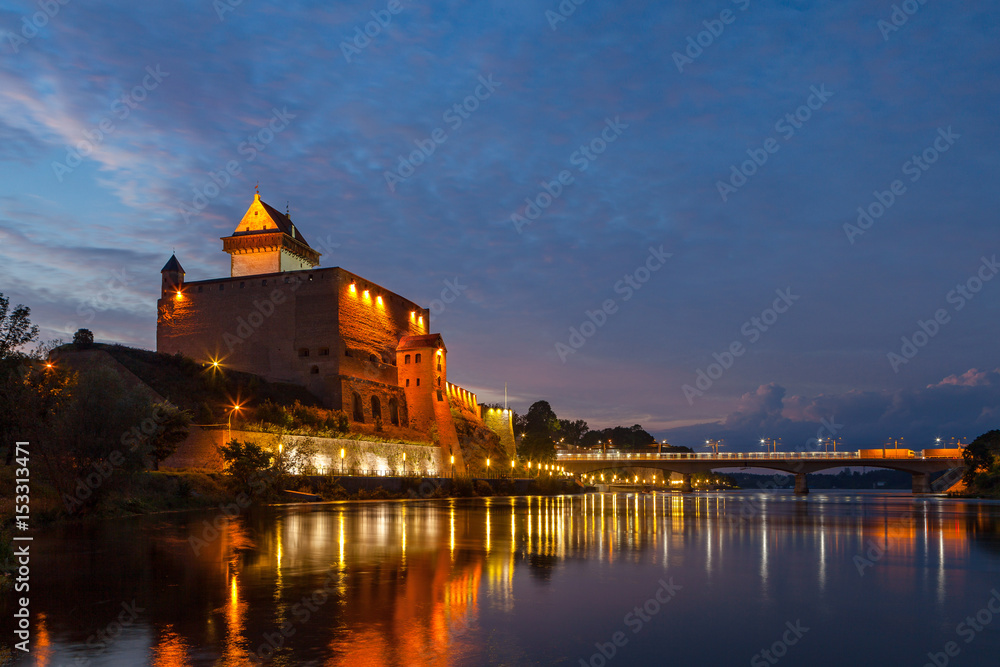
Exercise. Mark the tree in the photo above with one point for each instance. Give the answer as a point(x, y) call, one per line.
point(620, 437)
point(246, 462)
point(539, 426)
point(16, 328)
point(83, 338)
point(31, 395)
point(980, 456)
point(572, 432)
point(102, 422)
point(172, 429)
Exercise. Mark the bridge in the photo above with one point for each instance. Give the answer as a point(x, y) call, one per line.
point(921, 465)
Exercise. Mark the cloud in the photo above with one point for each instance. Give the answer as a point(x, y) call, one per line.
point(962, 406)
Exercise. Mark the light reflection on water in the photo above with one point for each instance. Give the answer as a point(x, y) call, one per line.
point(535, 580)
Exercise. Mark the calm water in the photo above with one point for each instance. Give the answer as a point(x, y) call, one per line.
point(530, 581)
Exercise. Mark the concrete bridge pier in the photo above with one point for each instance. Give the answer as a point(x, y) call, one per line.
point(921, 482)
point(801, 487)
point(686, 484)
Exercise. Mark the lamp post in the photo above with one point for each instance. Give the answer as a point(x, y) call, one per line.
point(404, 464)
point(229, 423)
point(342, 453)
point(487, 467)
point(453, 465)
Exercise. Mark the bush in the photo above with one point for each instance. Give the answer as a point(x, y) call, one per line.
point(337, 422)
point(483, 488)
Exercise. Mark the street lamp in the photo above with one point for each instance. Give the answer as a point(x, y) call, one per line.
point(404, 463)
point(487, 467)
point(229, 423)
point(452, 465)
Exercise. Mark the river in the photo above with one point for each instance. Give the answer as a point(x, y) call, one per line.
point(736, 578)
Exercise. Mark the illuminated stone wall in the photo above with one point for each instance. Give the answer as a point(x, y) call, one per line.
point(500, 422)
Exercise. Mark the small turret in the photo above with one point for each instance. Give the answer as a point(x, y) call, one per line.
point(172, 275)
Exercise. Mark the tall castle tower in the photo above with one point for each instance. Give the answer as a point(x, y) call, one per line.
point(266, 241)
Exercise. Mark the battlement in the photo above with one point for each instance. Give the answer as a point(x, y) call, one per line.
point(462, 398)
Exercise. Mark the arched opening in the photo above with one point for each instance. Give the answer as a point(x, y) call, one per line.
point(372, 357)
point(359, 410)
point(376, 408)
point(314, 370)
point(394, 411)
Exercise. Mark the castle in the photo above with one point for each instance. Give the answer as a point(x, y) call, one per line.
point(357, 346)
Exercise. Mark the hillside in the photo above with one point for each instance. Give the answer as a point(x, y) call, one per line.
point(206, 391)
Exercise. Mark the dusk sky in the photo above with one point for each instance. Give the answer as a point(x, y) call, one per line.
point(721, 173)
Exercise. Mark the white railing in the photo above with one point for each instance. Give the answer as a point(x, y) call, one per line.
point(733, 456)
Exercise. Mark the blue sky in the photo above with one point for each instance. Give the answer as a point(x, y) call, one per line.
point(82, 243)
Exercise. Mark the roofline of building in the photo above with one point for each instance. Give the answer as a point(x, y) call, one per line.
point(325, 269)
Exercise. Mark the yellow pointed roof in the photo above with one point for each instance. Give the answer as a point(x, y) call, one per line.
point(263, 217)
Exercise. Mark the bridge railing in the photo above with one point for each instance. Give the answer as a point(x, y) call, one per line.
point(736, 456)
point(707, 455)
point(733, 456)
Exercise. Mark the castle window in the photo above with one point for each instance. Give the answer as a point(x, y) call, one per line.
point(263, 283)
point(314, 370)
point(407, 382)
point(440, 395)
point(347, 352)
point(304, 352)
point(359, 410)
point(324, 352)
point(372, 357)
point(416, 358)
point(200, 287)
point(406, 359)
point(439, 365)
point(376, 408)
point(310, 277)
point(242, 284)
point(418, 382)
point(222, 286)
point(439, 382)
point(394, 411)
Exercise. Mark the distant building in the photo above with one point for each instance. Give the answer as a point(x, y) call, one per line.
point(357, 346)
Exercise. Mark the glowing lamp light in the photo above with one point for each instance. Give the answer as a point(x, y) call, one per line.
point(378, 299)
point(366, 294)
point(178, 295)
point(353, 288)
point(511, 465)
point(453, 459)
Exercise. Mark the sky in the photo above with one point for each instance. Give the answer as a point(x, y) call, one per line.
point(735, 219)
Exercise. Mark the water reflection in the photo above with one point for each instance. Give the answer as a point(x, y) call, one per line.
point(385, 583)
